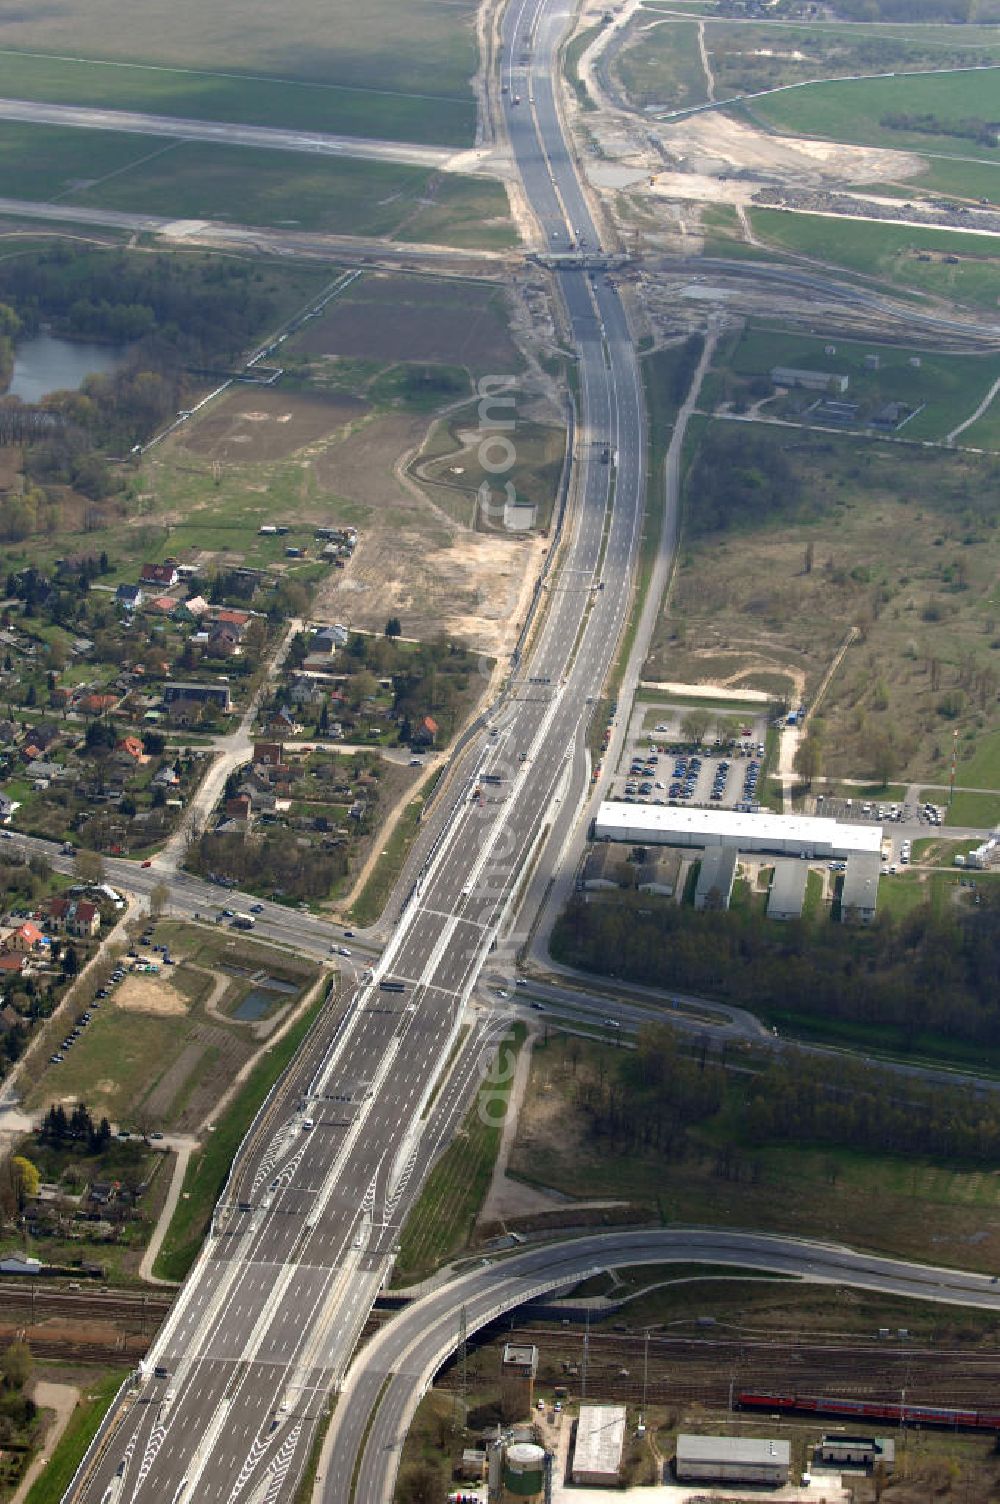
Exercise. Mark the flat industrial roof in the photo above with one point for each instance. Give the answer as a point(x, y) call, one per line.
point(860, 890)
point(600, 1438)
point(735, 826)
point(750, 1449)
point(788, 886)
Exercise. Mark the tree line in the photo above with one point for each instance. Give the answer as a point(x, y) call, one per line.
point(646, 1101)
point(983, 132)
point(926, 972)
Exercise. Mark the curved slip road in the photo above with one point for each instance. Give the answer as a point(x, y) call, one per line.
point(392, 1373)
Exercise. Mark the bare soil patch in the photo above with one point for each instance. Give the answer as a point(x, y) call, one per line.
point(387, 318)
point(412, 559)
point(145, 994)
point(261, 424)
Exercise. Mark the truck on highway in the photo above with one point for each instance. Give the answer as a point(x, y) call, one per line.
point(243, 921)
point(388, 985)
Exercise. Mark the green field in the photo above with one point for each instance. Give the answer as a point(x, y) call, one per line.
point(948, 388)
point(246, 185)
point(662, 67)
point(892, 252)
point(892, 1203)
point(852, 110)
point(974, 811)
point(376, 69)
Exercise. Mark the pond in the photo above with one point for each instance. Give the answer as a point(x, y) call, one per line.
point(262, 1000)
point(44, 364)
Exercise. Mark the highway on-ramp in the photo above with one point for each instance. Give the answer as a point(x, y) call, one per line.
point(392, 1372)
point(303, 1239)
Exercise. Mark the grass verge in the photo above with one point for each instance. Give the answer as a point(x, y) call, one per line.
point(443, 1218)
point(208, 1168)
point(83, 1426)
point(375, 894)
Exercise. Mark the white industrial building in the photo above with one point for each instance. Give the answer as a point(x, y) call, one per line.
point(732, 1459)
point(600, 1441)
point(785, 835)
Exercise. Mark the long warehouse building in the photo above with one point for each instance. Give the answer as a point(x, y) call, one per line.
point(784, 835)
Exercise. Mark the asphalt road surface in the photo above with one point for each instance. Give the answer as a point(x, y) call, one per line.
point(315, 143)
point(409, 1350)
point(303, 1239)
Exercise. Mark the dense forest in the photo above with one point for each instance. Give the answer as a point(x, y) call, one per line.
point(649, 1099)
point(739, 480)
point(926, 972)
point(201, 309)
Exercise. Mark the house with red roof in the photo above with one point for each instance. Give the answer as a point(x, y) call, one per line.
point(159, 574)
point(25, 938)
point(426, 731)
point(97, 704)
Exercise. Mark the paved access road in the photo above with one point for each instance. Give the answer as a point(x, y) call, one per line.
point(413, 1346)
point(223, 133)
point(268, 1319)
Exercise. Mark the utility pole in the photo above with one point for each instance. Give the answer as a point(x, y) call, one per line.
point(640, 1429)
point(586, 1356)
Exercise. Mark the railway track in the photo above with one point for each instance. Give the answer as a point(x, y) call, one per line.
point(702, 1369)
point(123, 1307)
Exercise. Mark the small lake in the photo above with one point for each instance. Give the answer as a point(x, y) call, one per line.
point(44, 364)
point(262, 1000)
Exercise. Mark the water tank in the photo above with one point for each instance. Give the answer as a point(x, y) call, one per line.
point(524, 1471)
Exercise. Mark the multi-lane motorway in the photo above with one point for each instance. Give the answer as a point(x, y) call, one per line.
point(266, 1323)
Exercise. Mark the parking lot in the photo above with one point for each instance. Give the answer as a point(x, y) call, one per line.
point(659, 766)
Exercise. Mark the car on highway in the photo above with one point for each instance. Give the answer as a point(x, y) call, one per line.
point(229, 913)
point(342, 950)
point(256, 908)
point(147, 863)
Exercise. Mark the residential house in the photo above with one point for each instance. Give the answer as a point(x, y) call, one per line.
point(237, 621)
point(425, 732)
point(131, 746)
point(7, 806)
point(282, 721)
point(159, 574)
point(166, 778)
point(187, 696)
point(97, 704)
point(74, 916)
point(56, 914)
point(238, 808)
point(271, 754)
point(191, 610)
point(329, 639)
point(307, 692)
point(85, 920)
point(12, 962)
point(41, 768)
point(27, 937)
point(161, 605)
point(129, 596)
point(223, 643)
